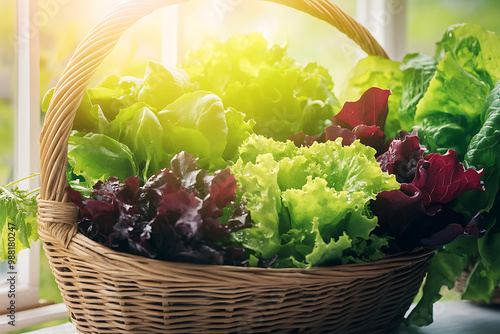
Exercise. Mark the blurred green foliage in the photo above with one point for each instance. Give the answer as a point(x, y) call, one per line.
point(427, 20)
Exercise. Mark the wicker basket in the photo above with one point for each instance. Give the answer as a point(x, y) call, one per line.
point(110, 292)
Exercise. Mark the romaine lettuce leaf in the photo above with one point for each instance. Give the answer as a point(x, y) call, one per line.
point(475, 49)
point(484, 153)
point(448, 115)
point(418, 71)
point(444, 269)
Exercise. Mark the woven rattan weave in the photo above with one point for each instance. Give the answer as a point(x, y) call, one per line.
point(110, 292)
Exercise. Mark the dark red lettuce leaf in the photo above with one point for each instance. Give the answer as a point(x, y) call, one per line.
point(174, 216)
point(453, 231)
point(149, 196)
point(301, 139)
point(363, 120)
point(442, 178)
point(180, 210)
point(195, 180)
point(420, 213)
point(402, 215)
point(370, 135)
point(221, 193)
point(370, 109)
point(402, 156)
point(333, 132)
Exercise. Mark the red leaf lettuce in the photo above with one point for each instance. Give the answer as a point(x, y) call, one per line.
point(177, 215)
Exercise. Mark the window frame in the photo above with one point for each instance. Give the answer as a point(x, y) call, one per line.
point(26, 162)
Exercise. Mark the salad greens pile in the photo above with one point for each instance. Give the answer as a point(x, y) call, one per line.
point(460, 110)
point(129, 126)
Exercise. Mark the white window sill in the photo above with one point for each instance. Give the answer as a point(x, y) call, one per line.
point(35, 316)
point(450, 317)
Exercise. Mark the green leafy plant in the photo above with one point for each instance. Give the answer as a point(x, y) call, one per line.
point(18, 225)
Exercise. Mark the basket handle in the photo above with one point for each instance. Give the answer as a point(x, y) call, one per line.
point(91, 52)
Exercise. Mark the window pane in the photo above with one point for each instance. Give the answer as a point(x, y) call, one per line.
point(64, 30)
point(6, 91)
point(7, 28)
point(428, 19)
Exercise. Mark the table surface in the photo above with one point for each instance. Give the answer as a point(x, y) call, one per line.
point(451, 317)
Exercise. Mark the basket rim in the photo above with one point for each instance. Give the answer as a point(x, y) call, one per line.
point(399, 259)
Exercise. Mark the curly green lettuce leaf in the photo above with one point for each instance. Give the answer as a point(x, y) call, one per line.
point(352, 168)
point(314, 197)
point(280, 95)
point(374, 71)
point(327, 252)
point(262, 194)
point(257, 145)
point(449, 114)
point(329, 209)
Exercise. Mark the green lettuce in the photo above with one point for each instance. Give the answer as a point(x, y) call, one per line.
point(446, 266)
point(449, 114)
point(190, 124)
point(143, 123)
point(139, 129)
point(309, 204)
point(162, 86)
point(263, 197)
point(96, 157)
point(280, 95)
point(484, 153)
point(476, 50)
point(418, 70)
